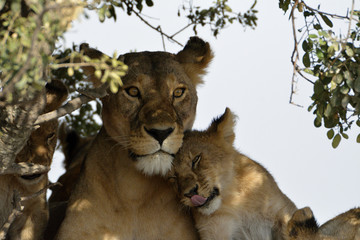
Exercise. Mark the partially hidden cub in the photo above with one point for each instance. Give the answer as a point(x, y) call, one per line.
point(230, 195)
point(345, 226)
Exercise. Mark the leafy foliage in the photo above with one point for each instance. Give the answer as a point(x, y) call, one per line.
point(219, 16)
point(333, 60)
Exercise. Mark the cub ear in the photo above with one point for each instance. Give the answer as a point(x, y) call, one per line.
point(301, 223)
point(195, 57)
point(56, 94)
point(223, 126)
point(90, 71)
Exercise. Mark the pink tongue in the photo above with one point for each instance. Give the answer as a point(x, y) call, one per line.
point(198, 200)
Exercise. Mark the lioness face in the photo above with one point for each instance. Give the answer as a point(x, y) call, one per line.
point(156, 103)
point(150, 113)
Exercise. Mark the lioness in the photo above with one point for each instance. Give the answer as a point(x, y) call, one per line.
point(39, 149)
point(345, 226)
point(230, 195)
point(121, 192)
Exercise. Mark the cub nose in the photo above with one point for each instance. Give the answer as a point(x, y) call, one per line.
point(159, 135)
point(192, 192)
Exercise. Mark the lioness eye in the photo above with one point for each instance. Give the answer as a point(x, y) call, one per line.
point(133, 91)
point(195, 161)
point(178, 92)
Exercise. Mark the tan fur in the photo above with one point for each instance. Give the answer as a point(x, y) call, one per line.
point(245, 201)
point(75, 149)
point(121, 193)
point(39, 149)
point(345, 226)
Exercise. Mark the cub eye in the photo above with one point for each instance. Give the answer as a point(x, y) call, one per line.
point(49, 138)
point(133, 91)
point(31, 177)
point(178, 92)
point(195, 161)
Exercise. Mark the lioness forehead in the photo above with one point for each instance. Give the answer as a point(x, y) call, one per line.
point(154, 64)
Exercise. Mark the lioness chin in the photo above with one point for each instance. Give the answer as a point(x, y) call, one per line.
point(121, 192)
point(230, 195)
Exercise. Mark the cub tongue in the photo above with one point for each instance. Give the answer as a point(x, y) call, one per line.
point(198, 200)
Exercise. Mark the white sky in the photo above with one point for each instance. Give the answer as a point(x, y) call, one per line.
point(251, 74)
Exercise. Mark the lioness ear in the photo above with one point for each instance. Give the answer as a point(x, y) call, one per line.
point(56, 94)
point(195, 57)
point(223, 126)
point(90, 71)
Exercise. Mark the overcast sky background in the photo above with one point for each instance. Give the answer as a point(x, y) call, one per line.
point(251, 73)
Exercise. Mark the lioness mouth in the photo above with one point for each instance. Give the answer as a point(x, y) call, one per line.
point(200, 201)
point(136, 157)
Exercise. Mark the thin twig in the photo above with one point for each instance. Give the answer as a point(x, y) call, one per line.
point(190, 24)
point(295, 53)
point(162, 39)
point(151, 26)
point(351, 15)
point(324, 13)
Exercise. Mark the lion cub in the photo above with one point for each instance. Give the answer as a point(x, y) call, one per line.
point(230, 195)
point(303, 226)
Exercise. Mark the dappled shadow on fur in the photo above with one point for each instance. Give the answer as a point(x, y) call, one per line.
point(39, 149)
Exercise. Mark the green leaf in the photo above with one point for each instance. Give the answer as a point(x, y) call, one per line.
point(318, 87)
point(349, 51)
point(319, 54)
point(317, 122)
point(317, 26)
point(358, 123)
point(305, 46)
point(336, 141)
point(98, 74)
point(357, 84)
point(358, 139)
point(70, 71)
point(328, 110)
point(330, 134)
point(326, 20)
point(345, 135)
point(347, 75)
point(338, 78)
point(313, 36)
point(344, 89)
point(306, 60)
point(345, 101)
point(149, 3)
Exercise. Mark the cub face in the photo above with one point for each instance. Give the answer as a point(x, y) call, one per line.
point(200, 166)
point(156, 104)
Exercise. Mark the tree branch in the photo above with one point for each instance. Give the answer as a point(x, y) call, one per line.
point(24, 168)
point(73, 104)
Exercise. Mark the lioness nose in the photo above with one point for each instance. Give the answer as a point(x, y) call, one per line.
point(159, 135)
